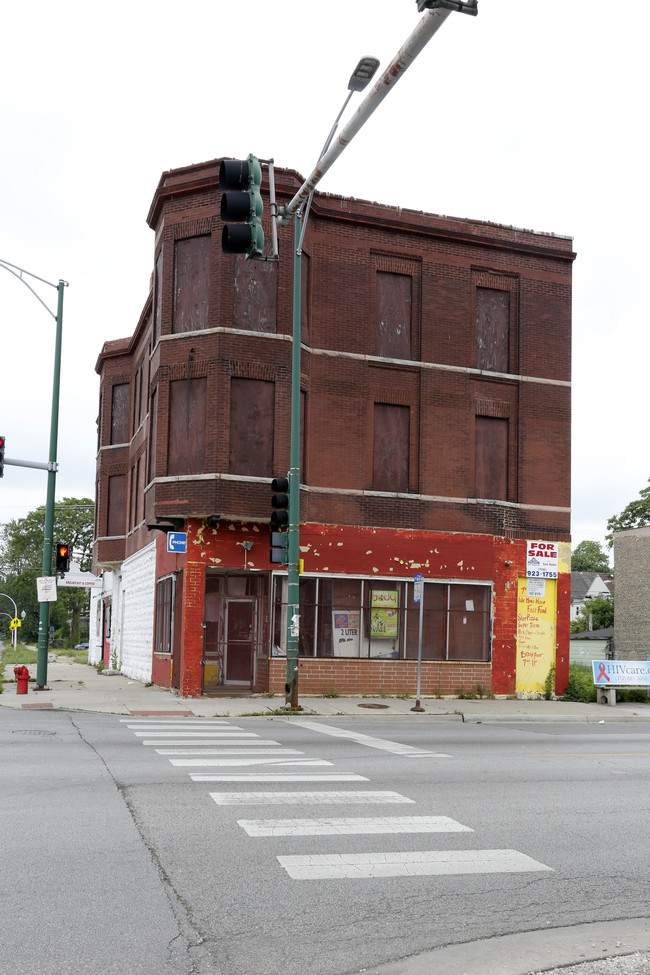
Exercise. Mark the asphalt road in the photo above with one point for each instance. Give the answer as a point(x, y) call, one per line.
point(119, 857)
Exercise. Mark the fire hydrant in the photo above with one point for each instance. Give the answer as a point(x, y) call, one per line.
point(22, 677)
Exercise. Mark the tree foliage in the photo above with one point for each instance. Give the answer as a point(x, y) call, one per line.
point(635, 515)
point(589, 557)
point(601, 610)
point(21, 562)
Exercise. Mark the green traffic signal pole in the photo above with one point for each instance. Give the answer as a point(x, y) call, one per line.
point(293, 582)
point(44, 618)
point(48, 540)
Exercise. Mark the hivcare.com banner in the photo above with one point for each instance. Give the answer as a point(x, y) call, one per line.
point(615, 672)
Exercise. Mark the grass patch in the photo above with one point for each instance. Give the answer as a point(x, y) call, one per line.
point(581, 685)
point(21, 655)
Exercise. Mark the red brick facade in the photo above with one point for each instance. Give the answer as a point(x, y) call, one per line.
point(435, 356)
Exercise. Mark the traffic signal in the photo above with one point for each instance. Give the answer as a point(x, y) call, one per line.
point(242, 204)
point(2, 456)
point(278, 554)
point(62, 557)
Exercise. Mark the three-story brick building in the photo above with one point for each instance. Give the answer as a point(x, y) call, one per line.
point(435, 418)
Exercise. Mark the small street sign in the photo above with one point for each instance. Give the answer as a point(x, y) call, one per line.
point(418, 587)
point(46, 589)
point(177, 542)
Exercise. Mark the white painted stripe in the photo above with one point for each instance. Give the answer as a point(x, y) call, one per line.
point(175, 723)
point(425, 863)
point(280, 777)
point(235, 762)
point(395, 747)
point(331, 798)
point(352, 825)
point(228, 751)
point(207, 741)
point(229, 733)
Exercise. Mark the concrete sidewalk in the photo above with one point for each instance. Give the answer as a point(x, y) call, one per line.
point(79, 687)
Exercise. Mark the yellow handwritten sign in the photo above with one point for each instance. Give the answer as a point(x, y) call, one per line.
point(536, 635)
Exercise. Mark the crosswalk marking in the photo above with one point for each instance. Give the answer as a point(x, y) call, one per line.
point(216, 744)
point(207, 741)
point(229, 751)
point(279, 777)
point(223, 733)
point(177, 723)
point(396, 747)
point(422, 863)
point(232, 762)
point(352, 826)
point(308, 798)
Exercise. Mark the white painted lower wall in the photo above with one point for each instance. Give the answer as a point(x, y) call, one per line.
point(134, 617)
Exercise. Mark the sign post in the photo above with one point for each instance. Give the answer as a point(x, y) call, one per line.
point(418, 597)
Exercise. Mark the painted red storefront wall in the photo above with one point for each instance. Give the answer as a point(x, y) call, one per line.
point(372, 553)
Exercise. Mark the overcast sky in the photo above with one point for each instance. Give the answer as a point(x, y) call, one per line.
point(531, 114)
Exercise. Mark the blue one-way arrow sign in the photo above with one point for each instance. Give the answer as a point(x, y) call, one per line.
point(177, 541)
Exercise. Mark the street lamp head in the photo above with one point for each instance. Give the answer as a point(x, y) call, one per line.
point(363, 74)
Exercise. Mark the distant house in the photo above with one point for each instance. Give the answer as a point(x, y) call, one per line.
point(588, 585)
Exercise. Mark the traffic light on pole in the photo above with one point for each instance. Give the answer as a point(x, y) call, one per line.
point(278, 554)
point(62, 557)
point(2, 456)
point(242, 204)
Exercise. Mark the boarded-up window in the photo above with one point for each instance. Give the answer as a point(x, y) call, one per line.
point(186, 426)
point(256, 295)
point(164, 614)
point(192, 284)
point(491, 458)
point(393, 323)
point(469, 623)
point(252, 406)
point(116, 505)
point(492, 330)
point(153, 430)
point(120, 413)
point(139, 506)
point(133, 503)
point(158, 296)
point(390, 455)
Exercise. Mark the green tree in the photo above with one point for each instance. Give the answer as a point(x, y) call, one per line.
point(21, 562)
point(635, 515)
point(601, 611)
point(589, 557)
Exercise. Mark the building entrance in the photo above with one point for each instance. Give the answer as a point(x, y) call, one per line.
point(234, 631)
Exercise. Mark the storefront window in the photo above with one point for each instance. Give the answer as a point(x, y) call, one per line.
point(379, 619)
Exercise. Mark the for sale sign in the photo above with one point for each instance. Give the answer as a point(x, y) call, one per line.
point(542, 560)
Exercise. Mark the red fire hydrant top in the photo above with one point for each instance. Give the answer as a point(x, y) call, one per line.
point(22, 677)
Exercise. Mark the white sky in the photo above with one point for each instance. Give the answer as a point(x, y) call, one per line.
point(531, 114)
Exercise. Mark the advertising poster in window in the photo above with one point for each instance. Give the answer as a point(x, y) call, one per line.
point(536, 637)
point(345, 633)
point(384, 605)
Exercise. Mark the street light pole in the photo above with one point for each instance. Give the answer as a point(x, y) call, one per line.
point(48, 540)
point(359, 79)
point(44, 618)
point(429, 24)
point(293, 553)
point(14, 641)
